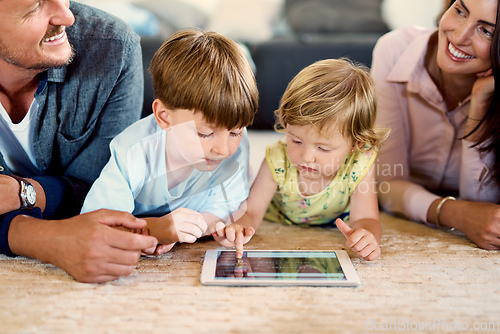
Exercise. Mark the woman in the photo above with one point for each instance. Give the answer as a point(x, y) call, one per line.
point(435, 90)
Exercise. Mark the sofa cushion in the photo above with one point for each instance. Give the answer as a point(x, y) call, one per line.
point(175, 14)
point(327, 16)
point(246, 20)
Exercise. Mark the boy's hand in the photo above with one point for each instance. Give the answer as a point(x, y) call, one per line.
point(189, 224)
point(232, 235)
point(359, 240)
point(180, 225)
point(158, 249)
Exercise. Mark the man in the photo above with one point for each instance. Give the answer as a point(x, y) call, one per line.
point(70, 80)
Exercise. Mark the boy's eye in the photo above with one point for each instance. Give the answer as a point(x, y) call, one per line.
point(324, 149)
point(236, 133)
point(204, 135)
point(295, 141)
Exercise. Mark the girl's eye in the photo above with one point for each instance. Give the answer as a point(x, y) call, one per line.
point(203, 135)
point(296, 141)
point(324, 149)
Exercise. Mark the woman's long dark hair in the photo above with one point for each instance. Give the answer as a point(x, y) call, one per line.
point(488, 129)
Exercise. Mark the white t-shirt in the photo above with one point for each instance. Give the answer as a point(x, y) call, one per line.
point(16, 142)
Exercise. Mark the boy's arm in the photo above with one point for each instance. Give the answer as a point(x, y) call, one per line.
point(111, 190)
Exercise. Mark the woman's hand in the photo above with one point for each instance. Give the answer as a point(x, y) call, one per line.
point(481, 95)
point(479, 221)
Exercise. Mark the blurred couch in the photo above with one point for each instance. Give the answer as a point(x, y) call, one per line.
point(281, 37)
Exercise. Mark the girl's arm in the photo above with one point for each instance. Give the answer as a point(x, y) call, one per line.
point(364, 206)
point(251, 212)
point(364, 232)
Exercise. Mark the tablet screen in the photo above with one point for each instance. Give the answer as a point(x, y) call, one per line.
point(279, 265)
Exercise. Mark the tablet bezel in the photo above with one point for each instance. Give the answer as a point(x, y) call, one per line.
point(210, 260)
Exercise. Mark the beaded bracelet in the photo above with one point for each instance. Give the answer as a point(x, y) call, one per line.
point(438, 209)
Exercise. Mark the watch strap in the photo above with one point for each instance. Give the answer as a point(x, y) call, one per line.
point(23, 196)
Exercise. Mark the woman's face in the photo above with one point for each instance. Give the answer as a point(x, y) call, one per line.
point(465, 35)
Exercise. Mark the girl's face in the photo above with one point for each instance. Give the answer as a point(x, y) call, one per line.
point(465, 33)
point(316, 156)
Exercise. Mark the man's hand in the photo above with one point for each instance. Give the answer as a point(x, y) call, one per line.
point(86, 246)
point(359, 240)
point(232, 235)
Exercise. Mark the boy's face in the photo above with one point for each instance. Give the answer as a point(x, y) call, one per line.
point(201, 144)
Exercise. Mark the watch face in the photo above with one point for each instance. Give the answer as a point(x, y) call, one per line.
point(30, 194)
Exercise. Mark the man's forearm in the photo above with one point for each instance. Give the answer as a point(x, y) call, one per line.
point(27, 233)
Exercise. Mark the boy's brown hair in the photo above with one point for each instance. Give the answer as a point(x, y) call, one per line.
point(208, 73)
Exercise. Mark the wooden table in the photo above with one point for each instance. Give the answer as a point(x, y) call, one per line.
point(426, 280)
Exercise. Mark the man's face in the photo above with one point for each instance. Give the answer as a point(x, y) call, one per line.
point(32, 33)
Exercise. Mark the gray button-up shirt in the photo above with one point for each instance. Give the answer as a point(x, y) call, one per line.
point(82, 106)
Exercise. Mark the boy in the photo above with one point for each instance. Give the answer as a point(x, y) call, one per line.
point(184, 167)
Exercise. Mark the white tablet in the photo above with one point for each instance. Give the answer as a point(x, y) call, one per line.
point(279, 267)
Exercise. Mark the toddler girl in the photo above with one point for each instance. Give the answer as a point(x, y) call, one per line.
point(321, 171)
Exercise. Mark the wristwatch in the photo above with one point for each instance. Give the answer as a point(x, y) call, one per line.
point(27, 193)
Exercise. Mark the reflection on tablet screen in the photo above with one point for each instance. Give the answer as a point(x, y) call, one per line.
point(279, 265)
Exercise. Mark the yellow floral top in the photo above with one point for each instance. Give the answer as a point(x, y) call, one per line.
point(290, 207)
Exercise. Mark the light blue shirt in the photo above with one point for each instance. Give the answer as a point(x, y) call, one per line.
point(135, 178)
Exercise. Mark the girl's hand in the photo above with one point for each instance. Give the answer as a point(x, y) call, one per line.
point(360, 241)
point(232, 235)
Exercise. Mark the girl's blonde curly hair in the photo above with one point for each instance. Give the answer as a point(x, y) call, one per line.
point(333, 94)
